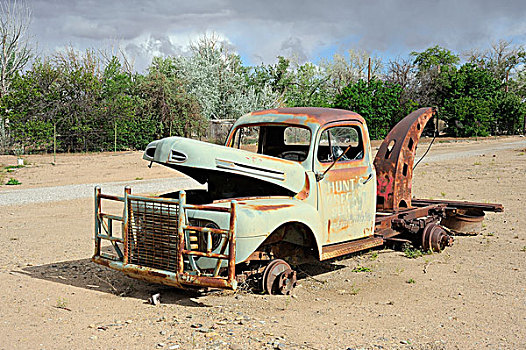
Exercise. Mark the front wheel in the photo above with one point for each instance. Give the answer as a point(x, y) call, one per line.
point(278, 278)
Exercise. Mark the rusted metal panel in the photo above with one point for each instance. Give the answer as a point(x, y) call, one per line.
point(394, 161)
point(494, 207)
point(336, 250)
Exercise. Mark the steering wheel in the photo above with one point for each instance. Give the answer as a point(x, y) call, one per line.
point(293, 155)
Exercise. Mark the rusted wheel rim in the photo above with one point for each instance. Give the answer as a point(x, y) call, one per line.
point(435, 238)
point(278, 278)
point(286, 282)
point(426, 244)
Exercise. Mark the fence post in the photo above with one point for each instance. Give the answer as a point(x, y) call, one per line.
point(115, 139)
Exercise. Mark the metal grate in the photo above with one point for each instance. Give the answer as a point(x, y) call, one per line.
point(152, 234)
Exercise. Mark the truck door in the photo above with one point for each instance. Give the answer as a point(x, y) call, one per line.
point(347, 191)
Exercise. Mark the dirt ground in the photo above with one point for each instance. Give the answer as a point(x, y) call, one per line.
point(471, 296)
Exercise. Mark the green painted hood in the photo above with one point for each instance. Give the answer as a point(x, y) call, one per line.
point(180, 153)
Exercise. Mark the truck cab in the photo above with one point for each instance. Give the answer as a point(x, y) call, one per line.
point(333, 148)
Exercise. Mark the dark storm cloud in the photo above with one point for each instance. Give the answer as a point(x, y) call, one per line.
point(262, 30)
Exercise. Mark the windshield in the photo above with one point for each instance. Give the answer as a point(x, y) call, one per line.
point(283, 141)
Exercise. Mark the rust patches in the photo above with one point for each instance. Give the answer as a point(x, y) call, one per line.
point(243, 200)
point(304, 193)
point(271, 207)
point(344, 173)
point(339, 228)
point(311, 115)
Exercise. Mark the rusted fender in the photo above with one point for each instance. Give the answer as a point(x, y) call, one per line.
point(394, 161)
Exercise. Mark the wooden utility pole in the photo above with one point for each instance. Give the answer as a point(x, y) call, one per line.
point(369, 71)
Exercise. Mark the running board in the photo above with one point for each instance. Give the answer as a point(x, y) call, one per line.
point(336, 250)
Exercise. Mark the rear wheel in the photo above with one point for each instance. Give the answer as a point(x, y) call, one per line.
point(435, 238)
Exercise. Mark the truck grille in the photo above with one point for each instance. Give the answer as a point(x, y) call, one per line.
point(152, 234)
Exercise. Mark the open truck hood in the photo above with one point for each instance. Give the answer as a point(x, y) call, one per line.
point(196, 158)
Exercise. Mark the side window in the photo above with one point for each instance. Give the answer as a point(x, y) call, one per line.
point(336, 140)
point(247, 137)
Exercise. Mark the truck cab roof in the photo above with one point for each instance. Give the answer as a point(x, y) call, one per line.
point(313, 117)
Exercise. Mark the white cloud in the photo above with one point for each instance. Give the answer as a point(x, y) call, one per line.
point(260, 31)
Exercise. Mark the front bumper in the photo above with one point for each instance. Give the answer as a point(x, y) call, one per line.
point(154, 244)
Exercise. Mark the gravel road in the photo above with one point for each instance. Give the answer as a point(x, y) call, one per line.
point(69, 192)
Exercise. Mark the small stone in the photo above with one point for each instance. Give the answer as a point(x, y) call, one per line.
point(155, 299)
point(174, 346)
point(161, 345)
point(93, 337)
point(129, 321)
point(196, 325)
point(162, 332)
point(92, 326)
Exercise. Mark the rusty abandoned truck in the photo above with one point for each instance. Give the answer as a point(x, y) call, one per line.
point(289, 186)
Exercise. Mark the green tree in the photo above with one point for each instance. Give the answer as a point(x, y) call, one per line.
point(166, 102)
point(475, 104)
point(430, 65)
point(308, 88)
point(219, 82)
point(377, 102)
point(434, 58)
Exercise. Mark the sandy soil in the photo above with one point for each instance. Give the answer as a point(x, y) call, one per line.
point(471, 296)
point(70, 169)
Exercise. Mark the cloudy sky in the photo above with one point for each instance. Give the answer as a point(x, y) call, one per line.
point(261, 30)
